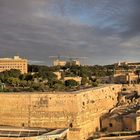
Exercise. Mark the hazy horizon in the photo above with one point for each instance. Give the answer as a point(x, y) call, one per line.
point(105, 31)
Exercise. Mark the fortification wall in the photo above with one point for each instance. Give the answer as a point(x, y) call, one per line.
point(80, 110)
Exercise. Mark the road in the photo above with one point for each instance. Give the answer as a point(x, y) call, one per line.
point(121, 138)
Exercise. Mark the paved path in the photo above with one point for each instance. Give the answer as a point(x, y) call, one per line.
point(121, 138)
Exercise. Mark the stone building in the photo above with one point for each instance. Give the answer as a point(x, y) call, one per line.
point(127, 77)
point(13, 63)
point(132, 122)
point(58, 75)
point(117, 123)
point(132, 65)
point(77, 79)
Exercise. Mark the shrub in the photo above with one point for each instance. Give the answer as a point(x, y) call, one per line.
point(71, 83)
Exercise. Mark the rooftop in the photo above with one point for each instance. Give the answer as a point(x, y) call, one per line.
point(8, 59)
point(8, 131)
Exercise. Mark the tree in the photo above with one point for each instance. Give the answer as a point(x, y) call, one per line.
point(13, 73)
point(95, 82)
point(47, 75)
point(59, 86)
point(35, 86)
point(71, 83)
point(85, 71)
point(2, 77)
point(84, 81)
point(9, 73)
point(23, 83)
point(28, 77)
point(13, 81)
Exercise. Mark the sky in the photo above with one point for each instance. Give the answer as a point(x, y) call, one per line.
point(103, 31)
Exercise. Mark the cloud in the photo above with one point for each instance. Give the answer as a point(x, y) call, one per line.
point(105, 31)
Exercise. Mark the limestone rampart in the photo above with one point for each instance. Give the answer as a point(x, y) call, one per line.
point(79, 110)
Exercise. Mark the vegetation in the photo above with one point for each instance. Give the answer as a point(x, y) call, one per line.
point(42, 78)
point(71, 83)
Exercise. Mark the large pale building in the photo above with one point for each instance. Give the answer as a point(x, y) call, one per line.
point(13, 63)
point(58, 62)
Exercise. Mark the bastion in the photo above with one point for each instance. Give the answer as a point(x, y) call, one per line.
point(80, 111)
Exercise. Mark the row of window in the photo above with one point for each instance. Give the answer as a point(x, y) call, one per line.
point(10, 67)
point(9, 64)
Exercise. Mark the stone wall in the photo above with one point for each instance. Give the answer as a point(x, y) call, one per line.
point(80, 110)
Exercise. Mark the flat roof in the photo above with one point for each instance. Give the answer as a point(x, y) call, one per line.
point(9, 131)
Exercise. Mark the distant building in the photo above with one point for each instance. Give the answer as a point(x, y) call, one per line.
point(130, 64)
point(13, 63)
point(74, 62)
point(116, 122)
point(132, 122)
point(77, 79)
point(127, 77)
point(58, 75)
point(58, 62)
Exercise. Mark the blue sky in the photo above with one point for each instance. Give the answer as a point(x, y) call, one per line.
point(105, 31)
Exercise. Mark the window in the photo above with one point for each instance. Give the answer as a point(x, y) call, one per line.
point(110, 125)
point(70, 125)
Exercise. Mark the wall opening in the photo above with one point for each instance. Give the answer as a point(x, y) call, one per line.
point(70, 125)
point(83, 103)
point(110, 125)
point(23, 125)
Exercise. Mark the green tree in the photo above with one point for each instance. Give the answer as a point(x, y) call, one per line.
point(28, 77)
point(94, 82)
point(59, 86)
point(13, 81)
point(13, 73)
point(2, 77)
point(23, 83)
point(9, 73)
point(85, 71)
point(35, 86)
point(84, 81)
point(71, 83)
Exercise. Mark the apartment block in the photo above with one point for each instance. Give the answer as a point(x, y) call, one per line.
point(13, 63)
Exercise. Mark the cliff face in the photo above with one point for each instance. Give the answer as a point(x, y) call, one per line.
point(80, 111)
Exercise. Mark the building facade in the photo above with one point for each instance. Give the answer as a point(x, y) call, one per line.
point(13, 63)
point(125, 78)
point(77, 79)
point(116, 123)
point(58, 62)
